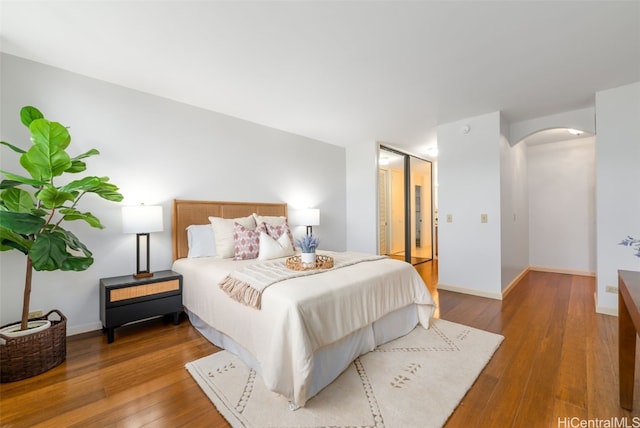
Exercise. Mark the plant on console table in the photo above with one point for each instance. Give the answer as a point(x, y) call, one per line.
point(33, 210)
point(308, 245)
point(633, 243)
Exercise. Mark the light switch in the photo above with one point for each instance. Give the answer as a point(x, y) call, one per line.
point(449, 218)
point(483, 218)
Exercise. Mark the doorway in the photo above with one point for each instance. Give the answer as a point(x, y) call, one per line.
point(405, 206)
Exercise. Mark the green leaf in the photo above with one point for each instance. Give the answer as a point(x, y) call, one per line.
point(9, 184)
point(28, 114)
point(86, 154)
point(70, 214)
point(52, 197)
point(76, 166)
point(17, 200)
point(48, 252)
point(47, 157)
point(10, 240)
point(77, 263)
point(23, 180)
point(12, 147)
point(85, 184)
point(98, 185)
point(109, 194)
point(107, 191)
point(51, 252)
point(40, 212)
point(73, 242)
point(23, 223)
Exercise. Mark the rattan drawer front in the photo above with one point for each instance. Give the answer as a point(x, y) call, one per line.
point(136, 291)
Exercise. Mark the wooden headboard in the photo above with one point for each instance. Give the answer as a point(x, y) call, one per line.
point(186, 213)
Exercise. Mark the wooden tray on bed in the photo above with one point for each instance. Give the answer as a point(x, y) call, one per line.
point(322, 262)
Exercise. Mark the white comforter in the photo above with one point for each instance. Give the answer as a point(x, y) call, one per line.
point(301, 315)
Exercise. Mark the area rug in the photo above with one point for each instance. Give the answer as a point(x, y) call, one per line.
point(415, 381)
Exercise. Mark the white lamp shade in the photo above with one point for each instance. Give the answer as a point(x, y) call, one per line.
point(306, 217)
point(142, 219)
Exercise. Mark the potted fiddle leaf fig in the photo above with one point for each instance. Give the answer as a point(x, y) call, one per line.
point(35, 207)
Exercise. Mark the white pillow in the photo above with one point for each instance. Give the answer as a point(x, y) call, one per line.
point(275, 221)
point(269, 219)
point(223, 233)
point(272, 249)
point(201, 241)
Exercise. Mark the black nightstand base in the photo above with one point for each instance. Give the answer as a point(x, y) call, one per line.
point(126, 299)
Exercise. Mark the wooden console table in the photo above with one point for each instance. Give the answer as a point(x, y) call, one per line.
point(628, 327)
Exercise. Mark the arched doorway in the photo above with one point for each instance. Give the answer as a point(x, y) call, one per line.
point(561, 192)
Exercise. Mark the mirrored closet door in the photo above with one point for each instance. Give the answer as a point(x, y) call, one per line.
point(405, 206)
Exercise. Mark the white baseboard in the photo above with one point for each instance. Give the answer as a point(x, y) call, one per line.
point(562, 270)
point(516, 280)
point(604, 310)
point(84, 328)
point(94, 326)
point(471, 291)
point(607, 310)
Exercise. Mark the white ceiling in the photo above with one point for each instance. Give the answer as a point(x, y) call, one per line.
point(342, 71)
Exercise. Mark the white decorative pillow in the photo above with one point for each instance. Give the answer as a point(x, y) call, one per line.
point(276, 225)
point(201, 241)
point(223, 233)
point(274, 248)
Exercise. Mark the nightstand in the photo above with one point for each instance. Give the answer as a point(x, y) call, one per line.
point(124, 299)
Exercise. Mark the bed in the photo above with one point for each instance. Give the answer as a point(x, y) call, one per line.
point(307, 329)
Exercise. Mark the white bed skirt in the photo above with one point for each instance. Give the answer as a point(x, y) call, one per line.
point(331, 360)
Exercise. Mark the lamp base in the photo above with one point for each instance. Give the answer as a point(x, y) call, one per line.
point(141, 270)
point(143, 275)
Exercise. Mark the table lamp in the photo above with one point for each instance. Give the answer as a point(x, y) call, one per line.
point(309, 217)
point(142, 220)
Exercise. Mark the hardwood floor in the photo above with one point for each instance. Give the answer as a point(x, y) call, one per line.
point(558, 361)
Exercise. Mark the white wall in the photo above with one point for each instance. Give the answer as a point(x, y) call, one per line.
point(514, 209)
point(562, 205)
point(469, 185)
point(617, 180)
point(156, 150)
point(466, 175)
point(362, 197)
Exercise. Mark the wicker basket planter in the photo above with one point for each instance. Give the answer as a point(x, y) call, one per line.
point(29, 355)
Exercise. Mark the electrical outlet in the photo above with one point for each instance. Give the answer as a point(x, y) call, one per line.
point(36, 314)
point(611, 289)
point(483, 218)
point(449, 218)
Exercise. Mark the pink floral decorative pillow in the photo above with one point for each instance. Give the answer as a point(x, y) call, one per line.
point(276, 231)
point(246, 241)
